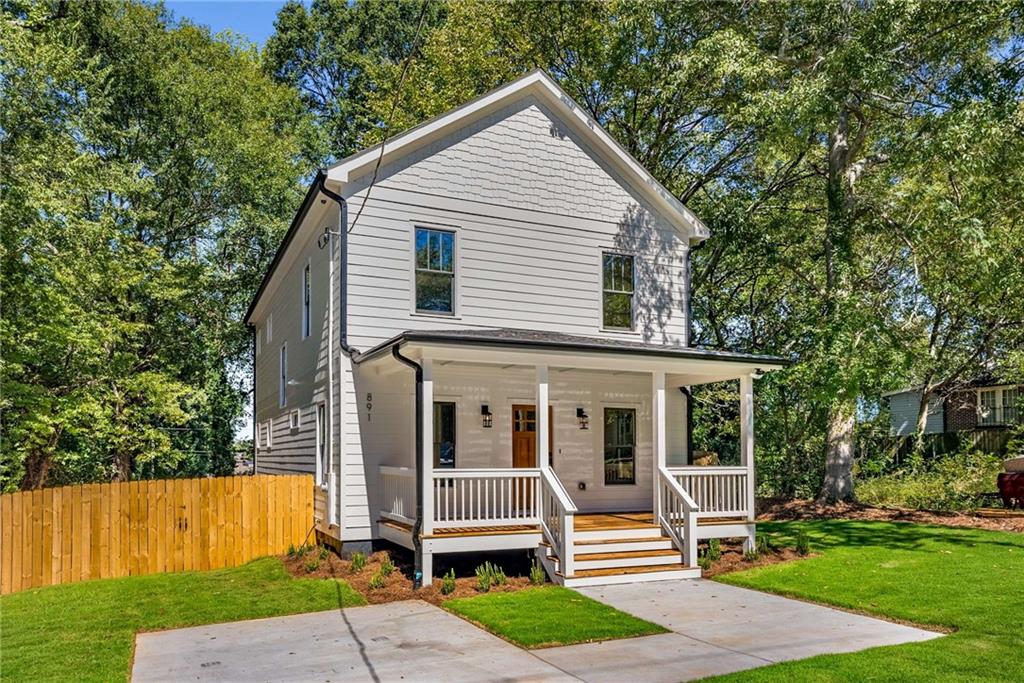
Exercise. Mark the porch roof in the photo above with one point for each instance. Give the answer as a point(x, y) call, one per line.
point(556, 345)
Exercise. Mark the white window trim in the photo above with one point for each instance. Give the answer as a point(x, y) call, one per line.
point(282, 377)
point(320, 419)
point(266, 431)
point(637, 409)
point(270, 328)
point(632, 330)
point(999, 408)
point(456, 313)
point(295, 419)
point(305, 286)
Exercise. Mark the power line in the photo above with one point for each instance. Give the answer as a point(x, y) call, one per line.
point(391, 114)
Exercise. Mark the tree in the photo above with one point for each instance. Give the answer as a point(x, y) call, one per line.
point(142, 199)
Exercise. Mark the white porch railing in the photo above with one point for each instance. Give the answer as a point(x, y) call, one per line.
point(717, 491)
point(677, 515)
point(558, 518)
point(486, 497)
point(398, 494)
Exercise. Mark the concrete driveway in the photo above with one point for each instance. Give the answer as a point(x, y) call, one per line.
point(714, 629)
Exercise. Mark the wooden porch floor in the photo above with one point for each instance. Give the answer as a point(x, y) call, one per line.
point(610, 521)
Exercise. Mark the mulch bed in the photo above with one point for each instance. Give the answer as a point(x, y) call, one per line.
point(809, 509)
point(397, 585)
point(733, 559)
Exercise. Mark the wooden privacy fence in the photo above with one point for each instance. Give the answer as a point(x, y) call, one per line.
point(74, 533)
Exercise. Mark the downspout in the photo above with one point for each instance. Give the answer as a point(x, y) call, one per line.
point(417, 542)
point(334, 516)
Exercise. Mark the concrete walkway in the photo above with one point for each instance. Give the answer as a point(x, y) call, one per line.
point(715, 629)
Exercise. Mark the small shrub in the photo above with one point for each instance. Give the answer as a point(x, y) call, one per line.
point(387, 566)
point(377, 581)
point(714, 552)
point(763, 544)
point(448, 583)
point(750, 555)
point(292, 552)
point(312, 564)
point(704, 562)
point(324, 553)
point(483, 579)
point(537, 574)
point(358, 562)
point(803, 543)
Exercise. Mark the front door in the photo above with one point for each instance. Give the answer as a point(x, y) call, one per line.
point(524, 435)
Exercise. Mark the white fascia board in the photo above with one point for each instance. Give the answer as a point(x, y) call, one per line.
point(540, 84)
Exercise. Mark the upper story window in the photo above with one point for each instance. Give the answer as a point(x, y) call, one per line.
point(270, 328)
point(282, 385)
point(305, 302)
point(617, 291)
point(435, 271)
point(998, 406)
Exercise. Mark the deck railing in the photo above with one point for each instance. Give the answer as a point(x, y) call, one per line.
point(677, 515)
point(717, 491)
point(486, 497)
point(398, 494)
point(558, 518)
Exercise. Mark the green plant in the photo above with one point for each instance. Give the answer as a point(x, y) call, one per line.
point(750, 555)
point(358, 562)
point(495, 574)
point(803, 543)
point(483, 579)
point(763, 544)
point(714, 551)
point(291, 551)
point(377, 581)
point(951, 482)
point(312, 564)
point(387, 566)
point(537, 574)
point(324, 552)
point(704, 562)
point(448, 583)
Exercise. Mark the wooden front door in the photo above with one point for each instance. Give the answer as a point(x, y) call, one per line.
point(524, 434)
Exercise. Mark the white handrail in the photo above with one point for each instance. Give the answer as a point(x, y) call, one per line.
point(678, 515)
point(557, 518)
point(485, 497)
point(718, 491)
point(398, 494)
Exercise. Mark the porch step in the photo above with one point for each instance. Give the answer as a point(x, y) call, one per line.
point(601, 577)
point(626, 559)
point(611, 545)
point(636, 532)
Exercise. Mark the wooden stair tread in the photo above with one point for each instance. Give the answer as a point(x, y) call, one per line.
point(616, 571)
point(613, 541)
point(625, 554)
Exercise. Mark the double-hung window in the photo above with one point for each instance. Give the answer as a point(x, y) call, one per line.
point(1011, 399)
point(435, 271)
point(619, 446)
point(444, 434)
point(305, 302)
point(617, 291)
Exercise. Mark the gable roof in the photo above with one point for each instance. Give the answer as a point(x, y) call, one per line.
point(542, 86)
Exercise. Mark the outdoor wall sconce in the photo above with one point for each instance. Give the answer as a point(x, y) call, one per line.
point(485, 412)
point(583, 418)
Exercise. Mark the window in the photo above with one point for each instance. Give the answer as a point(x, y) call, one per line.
point(321, 441)
point(617, 291)
point(998, 406)
point(444, 434)
point(987, 407)
point(435, 271)
point(305, 301)
point(270, 328)
point(619, 446)
point(295, 419)
point(1011, 398)
point(264, 434)
point(282, 398)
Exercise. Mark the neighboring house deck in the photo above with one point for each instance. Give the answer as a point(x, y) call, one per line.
point(496, 355)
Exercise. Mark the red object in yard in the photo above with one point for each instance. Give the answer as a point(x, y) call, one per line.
point(1011, 488)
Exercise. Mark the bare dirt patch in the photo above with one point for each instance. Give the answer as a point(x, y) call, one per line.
point(809, 509)
point(397, 585)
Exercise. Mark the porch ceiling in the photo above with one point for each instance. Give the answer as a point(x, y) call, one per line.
point(529, 348)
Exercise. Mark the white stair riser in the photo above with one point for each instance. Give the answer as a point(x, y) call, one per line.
point(664, 544)
point(632, 578)
point(580, 564)
point(614, 534)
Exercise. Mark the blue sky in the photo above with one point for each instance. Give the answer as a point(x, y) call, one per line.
point(251, 18)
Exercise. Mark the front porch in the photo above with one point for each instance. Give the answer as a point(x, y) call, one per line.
point(570, 453)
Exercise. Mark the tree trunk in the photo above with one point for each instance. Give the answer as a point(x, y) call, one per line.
point(838, 482)
point(37, 468)
point(922, 419)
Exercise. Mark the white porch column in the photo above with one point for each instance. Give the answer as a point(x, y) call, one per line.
point(543, 428)
point(428, 450)
point(747, 437)
point(658, 432)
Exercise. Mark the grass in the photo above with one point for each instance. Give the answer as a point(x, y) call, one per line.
point(86, 631)
point(542, 617)
point(964, 579)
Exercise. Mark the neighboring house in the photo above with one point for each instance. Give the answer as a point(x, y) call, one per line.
point(981, 411)
point(477, 340)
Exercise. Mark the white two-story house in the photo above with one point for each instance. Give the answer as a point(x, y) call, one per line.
point(476, 338)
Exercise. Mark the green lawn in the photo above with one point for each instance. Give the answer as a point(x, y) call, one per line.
point(965, 579)
point(540, 617)
point(86, 631)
